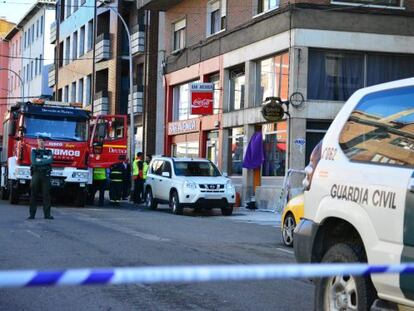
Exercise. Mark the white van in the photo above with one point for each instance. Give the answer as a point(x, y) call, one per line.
point(359, 199)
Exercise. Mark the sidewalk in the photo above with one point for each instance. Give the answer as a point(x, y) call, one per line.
point(259, 216)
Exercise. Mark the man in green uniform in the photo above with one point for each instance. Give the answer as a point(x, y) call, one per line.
point(99, 184)
point(41, 160)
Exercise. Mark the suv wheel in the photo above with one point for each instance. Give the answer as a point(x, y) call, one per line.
point(344, 292)
point(149, 200)
point(289, 225)
point(175, 205)
point(228, 211)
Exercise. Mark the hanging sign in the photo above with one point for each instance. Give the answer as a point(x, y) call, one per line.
point(273, 110)
point(202, 98)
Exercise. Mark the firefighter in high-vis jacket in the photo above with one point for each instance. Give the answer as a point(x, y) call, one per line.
point(139, 172)
point(116, 180)
point(41, 167)
point(99, 184)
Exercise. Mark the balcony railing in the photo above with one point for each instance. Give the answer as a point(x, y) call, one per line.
point(51, 76)
point(53, 33)
point(137, 98)
point(103, 47)
point(101, 103)
point(138, 39)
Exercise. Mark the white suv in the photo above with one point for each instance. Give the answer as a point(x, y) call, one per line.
point(184, 182)
point(359, 202)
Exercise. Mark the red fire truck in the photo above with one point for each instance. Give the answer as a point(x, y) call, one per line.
point(79, 143)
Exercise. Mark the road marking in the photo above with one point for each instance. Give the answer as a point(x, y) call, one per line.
point(285, 250)
point(34, 234)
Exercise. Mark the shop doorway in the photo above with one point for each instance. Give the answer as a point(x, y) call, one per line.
point(315, 131)
point(212, 146)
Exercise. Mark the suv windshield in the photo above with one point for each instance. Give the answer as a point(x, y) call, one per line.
point(194, 168)
point(67, 129)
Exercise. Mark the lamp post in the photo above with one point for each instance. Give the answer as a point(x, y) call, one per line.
point(21, 81)
point(131, 114)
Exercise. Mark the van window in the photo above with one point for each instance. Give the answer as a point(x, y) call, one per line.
point(157, 167)
point(380, 130)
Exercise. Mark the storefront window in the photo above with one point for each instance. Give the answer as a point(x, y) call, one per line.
point(236, 151)
point(213, 146)
point(215, 79)
point(181, 106)
point(237, 84)
point(275, 146)
point(186, 149)
point(273, 75)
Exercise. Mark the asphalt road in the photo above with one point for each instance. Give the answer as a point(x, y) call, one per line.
point(131, 236)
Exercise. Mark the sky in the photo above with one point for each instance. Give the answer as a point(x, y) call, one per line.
point(14, 10)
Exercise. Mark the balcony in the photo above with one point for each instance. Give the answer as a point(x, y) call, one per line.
point(137, 97)
point(157, 5)
point(138, 39)
point(101, 103)
point(53, 33)
point(103, 47)
point(51, 76)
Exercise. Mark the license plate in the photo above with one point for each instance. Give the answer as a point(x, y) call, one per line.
point(213, 196)
point(55, 182)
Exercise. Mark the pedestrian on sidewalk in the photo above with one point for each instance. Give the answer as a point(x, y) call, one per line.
point(41, 166)
point(138, 175)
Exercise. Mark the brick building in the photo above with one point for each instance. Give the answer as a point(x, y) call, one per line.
point(321, 51)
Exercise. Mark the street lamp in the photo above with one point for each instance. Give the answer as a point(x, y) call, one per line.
point(131, 114)
point(20, 78)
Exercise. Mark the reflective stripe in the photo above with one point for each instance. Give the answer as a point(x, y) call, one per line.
point(99, 173)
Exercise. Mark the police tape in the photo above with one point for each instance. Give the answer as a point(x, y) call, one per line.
point(190, 274)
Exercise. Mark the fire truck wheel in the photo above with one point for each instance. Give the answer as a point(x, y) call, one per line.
point(80, 199)
point(14, 193)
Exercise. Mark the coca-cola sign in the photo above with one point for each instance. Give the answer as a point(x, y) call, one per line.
point(202, 98)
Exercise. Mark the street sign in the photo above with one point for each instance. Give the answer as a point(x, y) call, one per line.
point(202, 98)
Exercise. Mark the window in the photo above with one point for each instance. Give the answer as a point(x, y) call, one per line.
point(189, 149)
point(275, 146)
point(75, 46)
point(156, 167)
point(236, 138)
point(33, 32)
point(88, 90)
point(395, 3)
point(73, 92)
point(90, 35)
point(380, 129)
point(66, 93)
point(37, 29)
point(266, 5)
point(196, 168)
point(82, 41)
point(166, 168)
point(335, 75)
point(181, 102)
point(216, 16)
point(67, 50)
point(28, 37)
point(80, 91)
point(31, 70)
point(75, 5)
point(179, 35)
point(237, 84)
point(68, 8)
point(41, 25)
point(40, 63)
point(36, 66)
point(215, 79)
point(273, 75)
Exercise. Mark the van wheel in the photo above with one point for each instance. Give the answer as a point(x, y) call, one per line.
point(228, 211)
point(344, 292)
point(289, 225)
point(14, 193)
point(175, 205)
point(149, 200)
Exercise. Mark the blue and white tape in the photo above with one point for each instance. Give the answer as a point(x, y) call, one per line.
point(190, 274)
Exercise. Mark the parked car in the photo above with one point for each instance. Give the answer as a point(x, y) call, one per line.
point(291, 215)
point(185, 182)
point(359, 199)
